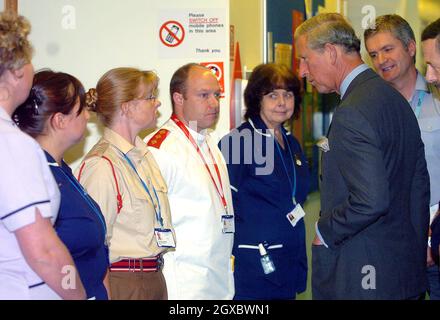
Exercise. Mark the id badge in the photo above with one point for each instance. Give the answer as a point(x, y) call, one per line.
point(164, 238)
point(295, 215)
point(228, 224)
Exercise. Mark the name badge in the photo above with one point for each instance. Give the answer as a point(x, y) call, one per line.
point(228, 224)
point(295, 215)
point(164, 238)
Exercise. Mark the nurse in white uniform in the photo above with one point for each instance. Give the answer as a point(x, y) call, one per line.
point(34, 264)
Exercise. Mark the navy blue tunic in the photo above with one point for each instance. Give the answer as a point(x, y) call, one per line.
point(262, 197)
point(82, 230)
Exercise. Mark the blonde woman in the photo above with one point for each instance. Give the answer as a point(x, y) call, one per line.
point(33, 259)
point(123, 178)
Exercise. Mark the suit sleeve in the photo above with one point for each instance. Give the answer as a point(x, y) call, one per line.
point(361, 164)
point(420, 195)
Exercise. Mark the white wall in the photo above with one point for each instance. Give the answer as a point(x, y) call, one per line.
point(87, 38)
point(416, 12)
point(247, 18)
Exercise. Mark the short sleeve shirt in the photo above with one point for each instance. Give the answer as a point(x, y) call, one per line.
point(130, 232)
point(428, 117)
point(26, 184)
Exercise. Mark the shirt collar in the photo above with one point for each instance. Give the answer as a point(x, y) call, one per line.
point(199, 137)
point(421, 84)
point(51, 162)
point(5, 116)
point(123, 145)
point(260, 127)
point(350, 77)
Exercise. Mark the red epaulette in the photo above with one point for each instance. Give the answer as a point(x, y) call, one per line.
point(158, 138)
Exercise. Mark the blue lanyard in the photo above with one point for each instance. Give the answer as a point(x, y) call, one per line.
point(419, 104)
point(86, 197)
point(158, 212)
point(292, 185)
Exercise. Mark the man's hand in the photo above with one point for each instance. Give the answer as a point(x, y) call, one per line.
point(317, 241)
point(429, 261)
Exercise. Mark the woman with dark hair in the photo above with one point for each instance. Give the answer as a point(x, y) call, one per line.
point(55, 116)
point(32, 257)
point(269, 180)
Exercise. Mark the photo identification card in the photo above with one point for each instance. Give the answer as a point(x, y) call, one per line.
point(295, 215)
point(164, 238)
point(228, 224)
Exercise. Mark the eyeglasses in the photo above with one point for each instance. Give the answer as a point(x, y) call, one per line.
point(151, 98)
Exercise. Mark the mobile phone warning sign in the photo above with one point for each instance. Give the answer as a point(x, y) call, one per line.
point(172, 33)
point(196, 33)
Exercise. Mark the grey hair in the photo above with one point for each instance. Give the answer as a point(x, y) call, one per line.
point(393, 23)
point(329, 28)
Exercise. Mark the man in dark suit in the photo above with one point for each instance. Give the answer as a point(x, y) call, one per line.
point(372, 233)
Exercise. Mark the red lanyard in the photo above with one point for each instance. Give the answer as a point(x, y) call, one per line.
point(185, 130)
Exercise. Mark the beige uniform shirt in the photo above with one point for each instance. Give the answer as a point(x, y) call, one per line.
point(130, 233)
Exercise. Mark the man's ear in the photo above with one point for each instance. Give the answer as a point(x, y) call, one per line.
point(178, 98)
point(332, 52)
point(412, 48)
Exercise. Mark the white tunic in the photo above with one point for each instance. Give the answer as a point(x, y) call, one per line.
point(200, 267)
point(26, 183)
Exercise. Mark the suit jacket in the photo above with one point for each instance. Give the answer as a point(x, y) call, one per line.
point(374, 198)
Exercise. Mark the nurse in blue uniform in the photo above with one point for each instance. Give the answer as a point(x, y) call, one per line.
point(270, 180)
point(55, 116)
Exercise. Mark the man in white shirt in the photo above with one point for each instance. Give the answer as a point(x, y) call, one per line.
point(392, 48)
point(198, 189)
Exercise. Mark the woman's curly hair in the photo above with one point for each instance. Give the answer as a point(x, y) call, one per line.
point(15, 48)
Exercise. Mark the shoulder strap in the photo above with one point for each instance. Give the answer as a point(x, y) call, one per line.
point(118, 196)
point(157, 139)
